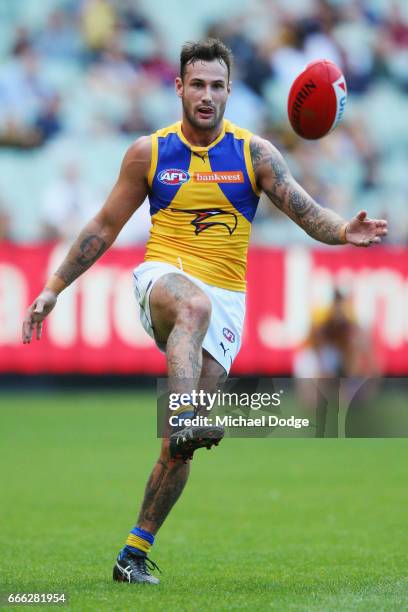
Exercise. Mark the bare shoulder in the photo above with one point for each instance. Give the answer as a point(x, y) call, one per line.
point(138, 156)
point(139, 152)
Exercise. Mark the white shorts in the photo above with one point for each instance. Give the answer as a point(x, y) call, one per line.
point(223, 337)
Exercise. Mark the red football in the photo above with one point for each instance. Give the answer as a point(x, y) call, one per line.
point(317, 99)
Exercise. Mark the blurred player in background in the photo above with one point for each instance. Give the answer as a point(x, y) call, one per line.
point(203, 177)
point(336, 344)
point(337, 347)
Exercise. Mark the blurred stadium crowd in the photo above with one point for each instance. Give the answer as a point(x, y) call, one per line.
point(80, 79)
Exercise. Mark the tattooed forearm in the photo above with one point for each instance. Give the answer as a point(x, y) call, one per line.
point(81, 257)
point(275, 180)
point(320, 223)
point(90, 248)
point(87, 248)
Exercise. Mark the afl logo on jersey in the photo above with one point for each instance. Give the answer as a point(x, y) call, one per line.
point(173, 176)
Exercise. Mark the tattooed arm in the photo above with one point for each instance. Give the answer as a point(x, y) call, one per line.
point(97, 236)
point(274, 178)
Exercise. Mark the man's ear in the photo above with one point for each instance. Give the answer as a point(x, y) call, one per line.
point(179, 86)
point(229, 86)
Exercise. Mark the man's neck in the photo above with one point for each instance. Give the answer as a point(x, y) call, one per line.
point(200, 138)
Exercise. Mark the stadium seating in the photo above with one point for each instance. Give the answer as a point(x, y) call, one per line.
point(92, 116)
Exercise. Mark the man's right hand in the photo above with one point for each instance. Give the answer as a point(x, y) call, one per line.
point(36, 314)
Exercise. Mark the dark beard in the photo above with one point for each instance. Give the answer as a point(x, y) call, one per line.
point(216, 120)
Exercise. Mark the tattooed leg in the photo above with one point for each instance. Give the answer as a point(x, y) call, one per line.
point(168, 478)
point(163, 489)
point(213, 375)
point(180, 314)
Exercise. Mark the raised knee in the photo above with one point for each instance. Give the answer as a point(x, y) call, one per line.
point(196, 310)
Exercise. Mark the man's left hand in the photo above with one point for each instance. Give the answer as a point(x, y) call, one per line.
point(363, 232)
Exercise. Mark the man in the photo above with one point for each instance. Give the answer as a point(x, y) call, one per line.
point(336, 344)
point(203, 177)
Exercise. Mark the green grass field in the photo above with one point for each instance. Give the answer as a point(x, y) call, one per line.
point(263, 524)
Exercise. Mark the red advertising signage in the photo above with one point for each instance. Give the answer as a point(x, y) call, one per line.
point(95, 327)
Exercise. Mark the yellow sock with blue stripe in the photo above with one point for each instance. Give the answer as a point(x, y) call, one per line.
point(182, 412)
point(139, 541)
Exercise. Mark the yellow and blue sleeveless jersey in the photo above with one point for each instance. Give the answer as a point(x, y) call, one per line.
point(202, 203)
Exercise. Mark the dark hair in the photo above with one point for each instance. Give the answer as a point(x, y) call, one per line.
point(205, 50)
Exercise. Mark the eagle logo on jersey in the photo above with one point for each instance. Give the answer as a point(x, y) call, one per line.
point(209, 217)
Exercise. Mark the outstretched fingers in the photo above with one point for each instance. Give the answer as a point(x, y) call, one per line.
point(381, 228)
point(371, 236)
